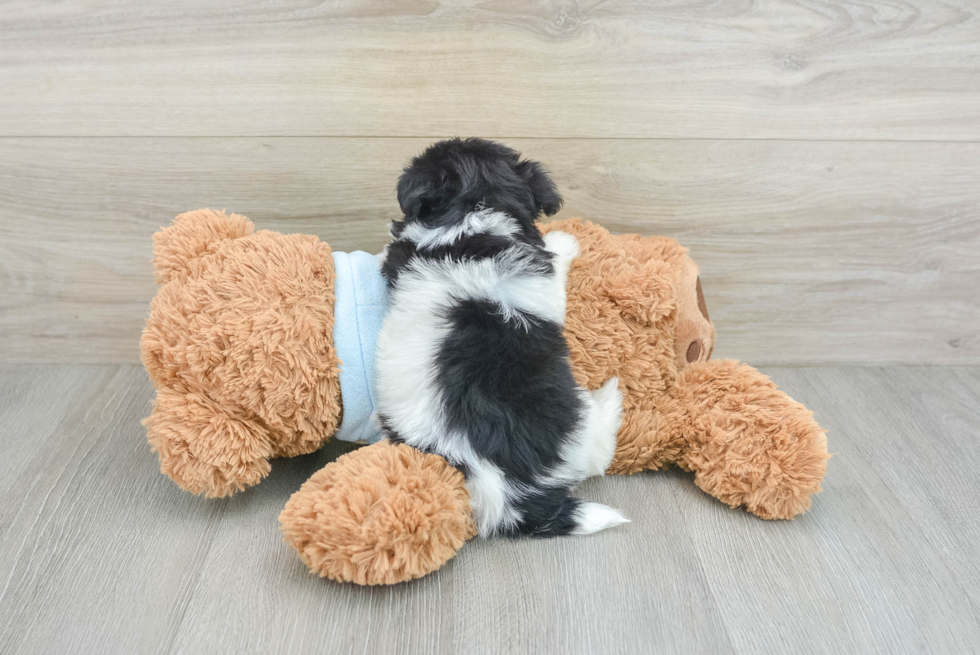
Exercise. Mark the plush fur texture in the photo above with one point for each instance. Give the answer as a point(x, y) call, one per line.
point(633, 311)
point(749, 444)
point(471, 361)
point(216, 340)
point(239, 345)
point(394, 513)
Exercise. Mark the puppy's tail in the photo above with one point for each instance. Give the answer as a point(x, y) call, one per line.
point(592, 517)
point(578, 517)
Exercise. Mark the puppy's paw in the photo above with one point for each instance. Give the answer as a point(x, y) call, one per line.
point(562, 244)
point(609, 416)
point(610, 401)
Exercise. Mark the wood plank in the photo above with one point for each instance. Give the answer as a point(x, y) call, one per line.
point(873, 555)
point(811, 252)
point(618, 591)
point(870, 69)
point(495, 596)
point(33, 402)
point(927, 453)
point(278, 606)
point(99, 552)
point(223, 581)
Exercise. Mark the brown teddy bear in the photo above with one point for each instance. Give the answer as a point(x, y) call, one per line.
point(239, 344)
point(239, 347)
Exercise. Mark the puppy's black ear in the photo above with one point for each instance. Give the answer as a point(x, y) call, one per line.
point(546, 196)
point(416, 192)
point(427, 187)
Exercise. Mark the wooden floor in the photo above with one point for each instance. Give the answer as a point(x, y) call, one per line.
point(100, 553)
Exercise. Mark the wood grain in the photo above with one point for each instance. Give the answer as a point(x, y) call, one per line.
point(811, 252)
point(38, 399)
point(813, 69)
point(101, 553)
point(876, 555)
point(618, 593)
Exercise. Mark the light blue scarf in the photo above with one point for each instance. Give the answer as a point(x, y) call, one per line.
point(360, 309)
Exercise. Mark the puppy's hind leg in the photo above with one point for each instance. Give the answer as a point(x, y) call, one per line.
point(593, 444)
point(594, 450)
point(604, 416)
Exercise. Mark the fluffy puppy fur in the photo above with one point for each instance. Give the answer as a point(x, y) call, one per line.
point(472, 363)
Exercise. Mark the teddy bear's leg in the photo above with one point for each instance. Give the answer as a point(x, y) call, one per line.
point(381, 514)
point(748, 443)
point(203, 448)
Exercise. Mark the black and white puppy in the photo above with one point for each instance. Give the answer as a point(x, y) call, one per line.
point(472, 363)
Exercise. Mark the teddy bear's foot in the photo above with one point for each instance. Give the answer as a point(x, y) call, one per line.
point(203, 448)
point(379, 515)
point(749, 444)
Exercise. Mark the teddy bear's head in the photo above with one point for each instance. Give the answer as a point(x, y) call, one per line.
point(239, 345)
point(636, 311)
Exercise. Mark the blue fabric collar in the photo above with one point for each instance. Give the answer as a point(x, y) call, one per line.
point(360, 308)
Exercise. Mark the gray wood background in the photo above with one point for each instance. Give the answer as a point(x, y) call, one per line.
point(99, 553)
point(820, 159)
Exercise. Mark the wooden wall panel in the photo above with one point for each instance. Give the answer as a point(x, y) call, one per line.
point(811, 252)
point(813, 69)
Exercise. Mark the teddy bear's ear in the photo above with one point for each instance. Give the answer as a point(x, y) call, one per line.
point(189, 236)
point(644, 292)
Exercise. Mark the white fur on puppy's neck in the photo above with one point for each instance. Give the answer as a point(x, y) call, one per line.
point(481, 221)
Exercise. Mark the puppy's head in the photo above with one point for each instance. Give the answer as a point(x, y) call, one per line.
point(454, 177)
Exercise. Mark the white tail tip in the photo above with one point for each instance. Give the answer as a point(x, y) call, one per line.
point(593, 517)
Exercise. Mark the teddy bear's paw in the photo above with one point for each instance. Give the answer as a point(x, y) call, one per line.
point(204, 449)
point(749, 444)
point(381, 514)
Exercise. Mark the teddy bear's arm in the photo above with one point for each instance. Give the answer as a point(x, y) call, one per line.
point(749, 444)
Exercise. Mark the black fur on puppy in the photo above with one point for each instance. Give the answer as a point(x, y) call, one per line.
point(472, 363)
point(454, 177)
